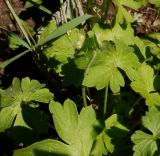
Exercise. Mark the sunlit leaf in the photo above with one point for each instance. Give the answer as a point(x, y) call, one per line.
point(15, 42)
point(145, 143)
point(44, 148)
point(146, 84)
point(30, 3)
point(122, 13)
point(72, 128)
point(20, 92)
point(119, 33)
point(64, 28)
point(105, 67)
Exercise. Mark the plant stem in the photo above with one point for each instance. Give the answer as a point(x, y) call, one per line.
point(85, 74)
point(18, 20)
point(84, 96)
point(105, 102)
point(137, 101)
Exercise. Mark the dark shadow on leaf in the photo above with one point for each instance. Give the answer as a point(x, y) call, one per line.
point(158, 148)
point(72, 75)
point(32, 125)
point(23, 135)
point(53, 63)
point(156, 83)
point(35, 119)
point(6, 145)
point(138, 53)
point(46, 153)
point(119, 138)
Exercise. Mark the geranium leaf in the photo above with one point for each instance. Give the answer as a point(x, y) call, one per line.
point(119, 33)
point(115, 132)
point(105, 67)
point(28, 126)
point(7, 116)
point(147, 144)
point(99, 148)
point(72, 128)
point(122, 13)
point(44, 148)
point(156, 2)
point(146, 84)
point(65, 119)
point(25, 91)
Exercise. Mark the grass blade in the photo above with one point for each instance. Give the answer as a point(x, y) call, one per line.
point(64, 28)
point(7, 62)
point(18, 20)
point(58, 32)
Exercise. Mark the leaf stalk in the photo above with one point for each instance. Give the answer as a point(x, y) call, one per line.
point(105, 102)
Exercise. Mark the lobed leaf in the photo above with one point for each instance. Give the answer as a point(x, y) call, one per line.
point(122, 14)
point(146, 84)
point(120, 34)
point(65, 120)
point(25, 91)
point(72, 128)
point(115, 133)
point(148, 144)
point(105, 67)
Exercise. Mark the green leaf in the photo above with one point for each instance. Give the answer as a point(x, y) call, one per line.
point(53, 35)
point(154, 48)
point(44, 148)
point(29, 124)
point(105, 67)
point(25, 91)
point(71, 41)
point(122, 13)
point(99, 148)
point(65, 120)
point(156, 2)
point(147, 144)
point(52, 26)
point(119, 33)
point(146, 83)
point(72, 128)
point(37, 3)
point(11, 95)
point(30, 3)
point(7, 116)
point(113, 138)
point(115, 133)
point(15, 42)
point(88, 124)
point(64, 28)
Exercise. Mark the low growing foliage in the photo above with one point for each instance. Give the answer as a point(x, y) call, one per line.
point(118, 70)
